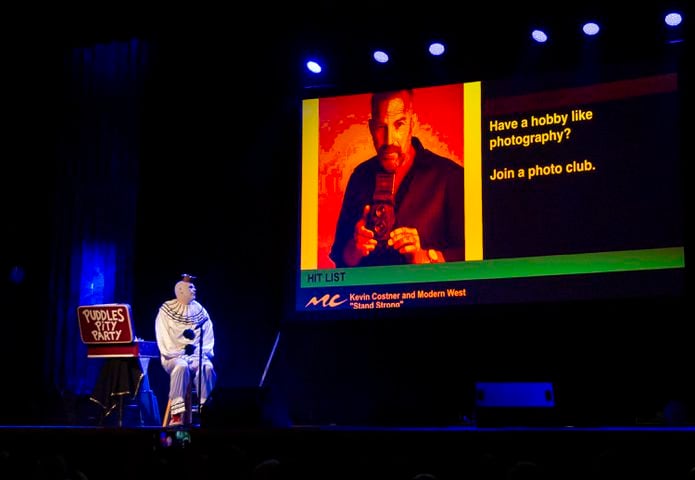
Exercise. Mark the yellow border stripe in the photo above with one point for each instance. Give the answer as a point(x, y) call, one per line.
point(310, 184)
point(472, 155)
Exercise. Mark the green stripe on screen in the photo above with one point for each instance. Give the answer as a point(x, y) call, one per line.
point(583, 263)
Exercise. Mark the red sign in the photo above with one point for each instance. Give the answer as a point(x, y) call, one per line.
point(108, 323)
point(137, 349)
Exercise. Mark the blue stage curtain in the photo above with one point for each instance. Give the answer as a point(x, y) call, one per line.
point(95, 196)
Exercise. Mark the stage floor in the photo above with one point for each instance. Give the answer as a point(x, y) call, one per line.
point(329, 451)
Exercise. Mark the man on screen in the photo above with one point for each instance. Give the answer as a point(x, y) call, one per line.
point(405, 204)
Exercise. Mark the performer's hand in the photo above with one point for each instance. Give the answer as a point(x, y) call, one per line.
point(406, 241)
point(189, 334)
point(363, 242)
point(189, 349)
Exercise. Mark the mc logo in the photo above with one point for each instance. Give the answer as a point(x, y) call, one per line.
point(326, 301)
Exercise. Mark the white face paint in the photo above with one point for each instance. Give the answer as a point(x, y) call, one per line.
point(185, 292)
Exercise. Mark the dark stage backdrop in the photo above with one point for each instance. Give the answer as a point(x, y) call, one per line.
point(147, 161)
point(163, 155)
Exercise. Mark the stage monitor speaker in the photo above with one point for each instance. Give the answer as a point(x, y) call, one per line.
point(499, 404)
point(242, 407)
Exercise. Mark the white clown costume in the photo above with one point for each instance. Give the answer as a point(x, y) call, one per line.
point(180, 322)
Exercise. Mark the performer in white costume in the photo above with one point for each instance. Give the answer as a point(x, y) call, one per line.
point(178, 327)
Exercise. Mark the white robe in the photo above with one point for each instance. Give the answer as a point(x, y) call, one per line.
point(172, 320)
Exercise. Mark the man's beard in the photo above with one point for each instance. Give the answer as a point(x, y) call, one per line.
point(391, 159)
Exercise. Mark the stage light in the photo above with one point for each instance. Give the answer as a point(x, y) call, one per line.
point(313, 66)
point(673, 19)
point(539, 35)
point(671, 33)
point(591, 28)
point(436, 48)
point(381, 56)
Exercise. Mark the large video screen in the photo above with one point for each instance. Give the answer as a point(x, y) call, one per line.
point(492, 192)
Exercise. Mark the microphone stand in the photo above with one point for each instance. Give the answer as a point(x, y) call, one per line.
point(200, 371)
point(270, 359)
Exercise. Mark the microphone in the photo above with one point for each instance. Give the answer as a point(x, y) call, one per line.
point(200, 324)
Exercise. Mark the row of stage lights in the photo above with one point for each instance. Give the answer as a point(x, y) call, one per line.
point(672, 20)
